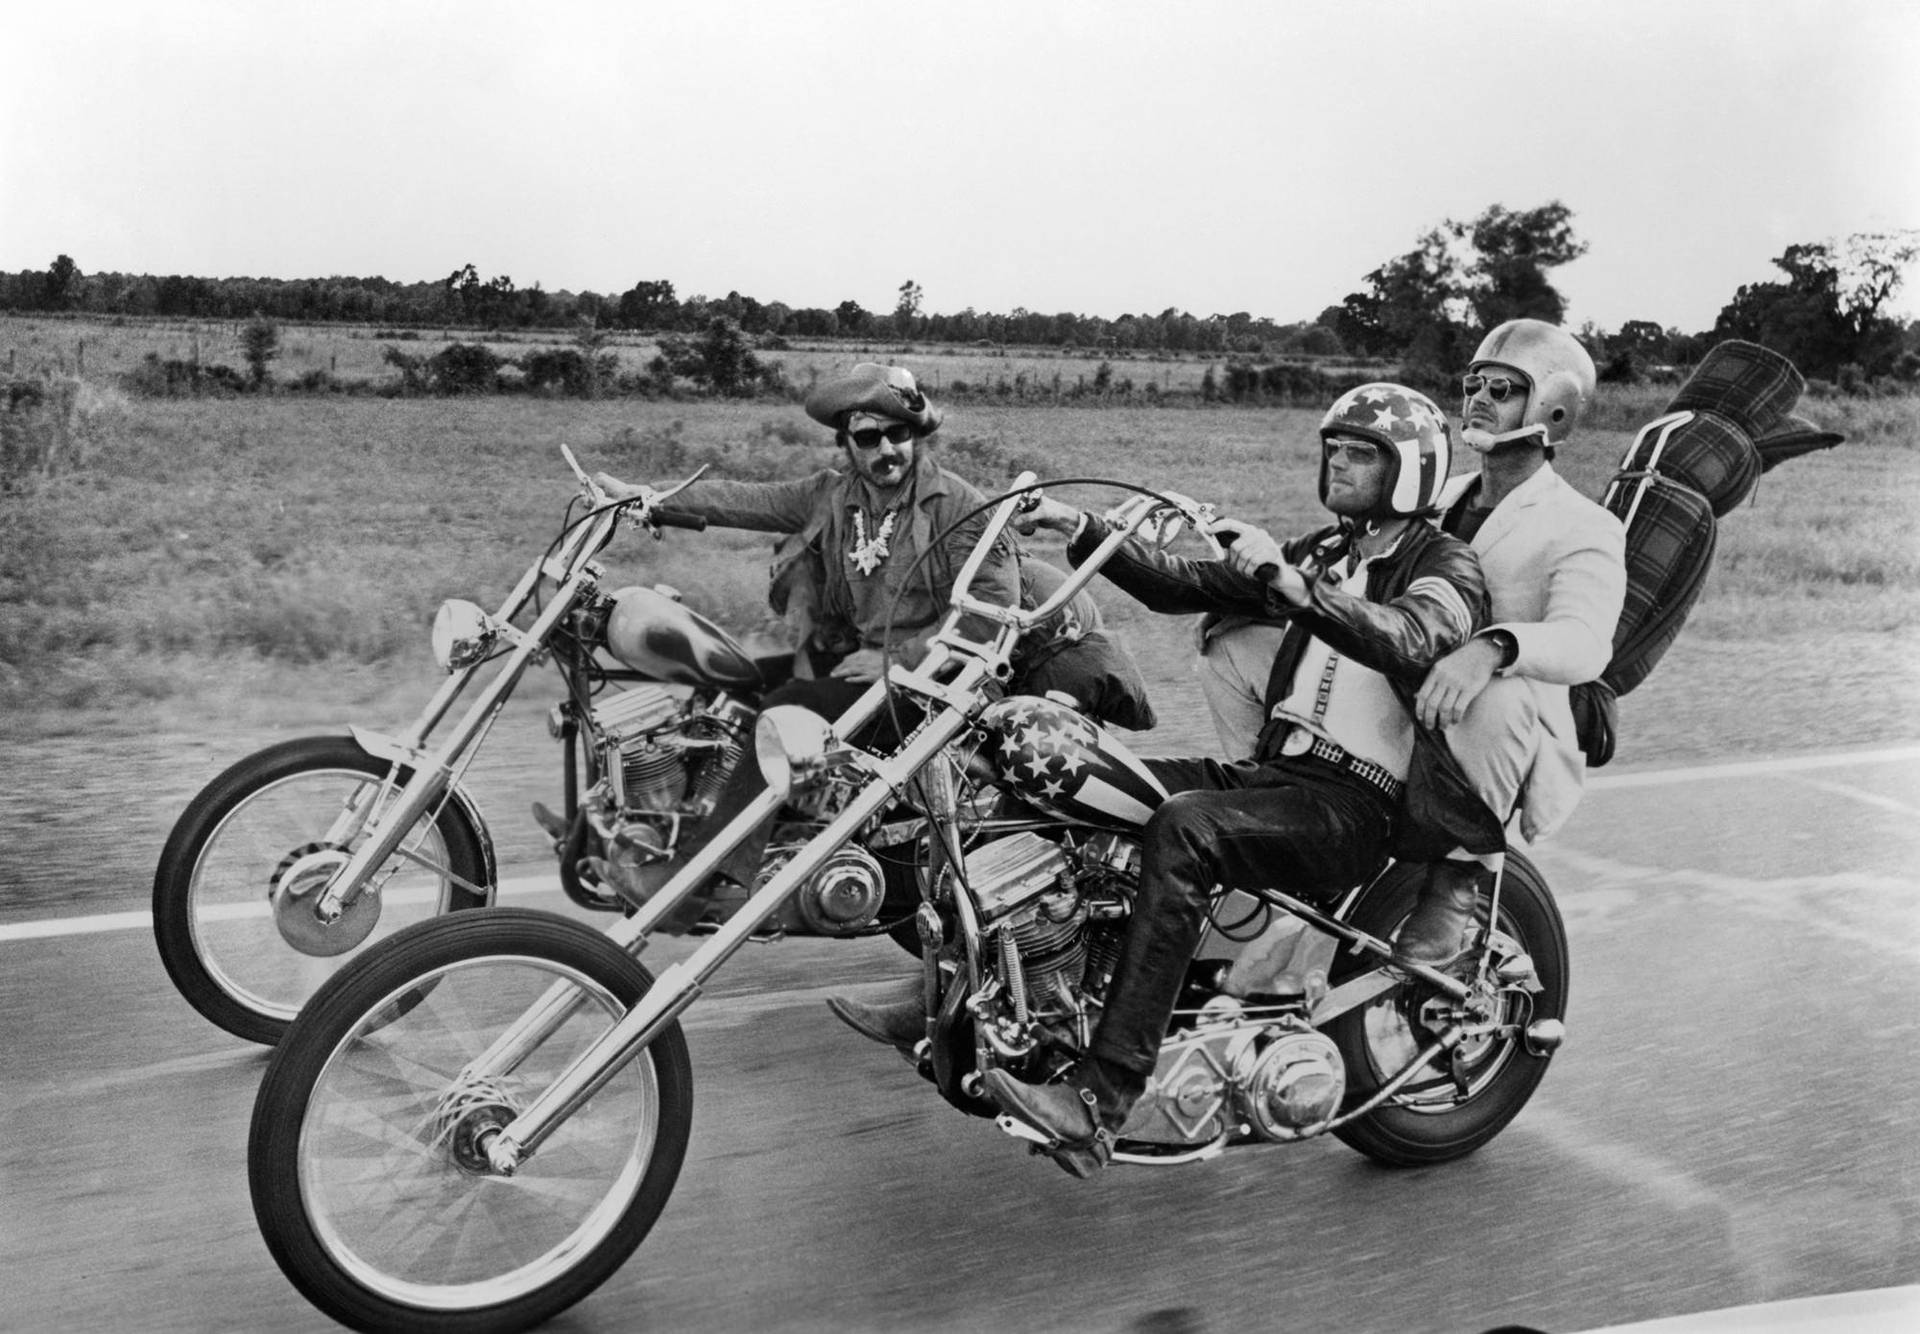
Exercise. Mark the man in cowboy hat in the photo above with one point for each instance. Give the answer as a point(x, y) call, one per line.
point(870, 597)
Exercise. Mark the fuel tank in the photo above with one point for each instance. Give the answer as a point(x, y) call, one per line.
point(652, 633)
point(1058, 761)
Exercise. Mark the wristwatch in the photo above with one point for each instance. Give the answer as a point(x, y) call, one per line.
point(1509, 647)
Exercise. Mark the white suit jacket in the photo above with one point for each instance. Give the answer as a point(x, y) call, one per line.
point(1555, 565)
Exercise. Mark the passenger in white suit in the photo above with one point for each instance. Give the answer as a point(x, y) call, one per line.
point(1555, 565)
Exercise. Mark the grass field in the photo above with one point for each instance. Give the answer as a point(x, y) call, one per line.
point(315, 536)
point(206, 577)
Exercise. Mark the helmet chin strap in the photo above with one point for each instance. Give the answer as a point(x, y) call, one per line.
point(1485, 442)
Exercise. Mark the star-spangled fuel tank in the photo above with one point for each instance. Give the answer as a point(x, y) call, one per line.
point(1058, 761)
point(652, 633)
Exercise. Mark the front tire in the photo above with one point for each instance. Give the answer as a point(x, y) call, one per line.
point(1430, 1122)
point(294, 809)
point(366, 1158)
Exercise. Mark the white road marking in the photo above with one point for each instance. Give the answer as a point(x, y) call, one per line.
point(1790, 764)
point(518, 886)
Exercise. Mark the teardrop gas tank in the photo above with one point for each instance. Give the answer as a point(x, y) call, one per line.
point(652, 633)
point(1058, 761)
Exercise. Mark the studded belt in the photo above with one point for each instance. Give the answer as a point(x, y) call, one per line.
point(1302, 742)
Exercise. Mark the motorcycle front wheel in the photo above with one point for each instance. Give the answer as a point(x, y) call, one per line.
point(1449, 1112)
point(228, 891)
point(366, 1155)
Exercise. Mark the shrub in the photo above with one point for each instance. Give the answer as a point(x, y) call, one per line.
point(413, 369)
point(173, 378)
point(464, 368)
point(260, 343)
point(52, 425)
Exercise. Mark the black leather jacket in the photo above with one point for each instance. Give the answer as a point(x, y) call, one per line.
point(1394, 628)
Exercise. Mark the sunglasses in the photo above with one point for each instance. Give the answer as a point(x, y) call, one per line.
point(1358, 452)
point(873, 435)
point(1497, 387)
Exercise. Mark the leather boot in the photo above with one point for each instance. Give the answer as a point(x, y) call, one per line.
point(1080, 1112)
point(893, 1012)
point(1440, 928)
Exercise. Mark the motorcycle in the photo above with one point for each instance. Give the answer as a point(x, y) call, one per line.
point(510, 1091)
point(297, 858)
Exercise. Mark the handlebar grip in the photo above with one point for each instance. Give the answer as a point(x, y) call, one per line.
point(666, 518)
point(1267, 573)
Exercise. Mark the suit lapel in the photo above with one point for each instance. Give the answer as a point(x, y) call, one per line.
point(1509, 514)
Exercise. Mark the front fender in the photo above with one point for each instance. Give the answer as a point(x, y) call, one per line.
point(383, 747)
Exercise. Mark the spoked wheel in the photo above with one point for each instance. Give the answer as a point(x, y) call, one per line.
point(1452, 1109)
point(241, 867)
point(367, 1153)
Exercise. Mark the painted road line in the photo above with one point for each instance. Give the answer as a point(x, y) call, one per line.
point(528, 885)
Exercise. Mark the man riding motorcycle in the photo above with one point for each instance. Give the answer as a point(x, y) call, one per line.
point(1370, 602)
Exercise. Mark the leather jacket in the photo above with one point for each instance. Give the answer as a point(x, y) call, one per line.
point(1394, 628)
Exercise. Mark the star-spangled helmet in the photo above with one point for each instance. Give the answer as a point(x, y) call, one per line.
point(1058, 761)
point(1413, 431)
point(1558, 370)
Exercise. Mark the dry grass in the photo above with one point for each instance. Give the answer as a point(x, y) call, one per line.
point(208, 544)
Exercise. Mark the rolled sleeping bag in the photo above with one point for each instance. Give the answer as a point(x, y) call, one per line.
point(1670, 541)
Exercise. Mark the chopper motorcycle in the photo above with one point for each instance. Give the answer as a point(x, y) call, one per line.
point(476, 1122)
point(298, 856)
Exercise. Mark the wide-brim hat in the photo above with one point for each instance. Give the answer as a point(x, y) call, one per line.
point(881, 391)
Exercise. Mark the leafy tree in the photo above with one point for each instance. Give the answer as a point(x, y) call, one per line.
point(63, 283)
point(1429, 305)
point(649, 305)
point(1826, 315)
point(1507, 279)
point(1643, 338)
point(852, 319)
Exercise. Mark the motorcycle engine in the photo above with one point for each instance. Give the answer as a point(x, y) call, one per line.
point(665, 751)
point(1057, 912)
point(1236, 1071)
point(1053, 914)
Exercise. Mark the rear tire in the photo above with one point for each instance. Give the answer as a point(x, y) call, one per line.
point(365, 1156)
point(212, 889)
point(1377, 1039)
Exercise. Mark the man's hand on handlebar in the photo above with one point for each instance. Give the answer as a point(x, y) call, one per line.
point(617, 489)
point(1252, 551)
point(1046, 513)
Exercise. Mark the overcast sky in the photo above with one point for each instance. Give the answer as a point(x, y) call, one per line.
point(1099, 158)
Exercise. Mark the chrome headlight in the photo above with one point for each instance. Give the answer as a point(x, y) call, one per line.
point(463, 634)
point(791, 744)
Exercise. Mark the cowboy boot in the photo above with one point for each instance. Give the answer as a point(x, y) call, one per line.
point(1080, 1113)
point(896, 1014)
point(1440, 928)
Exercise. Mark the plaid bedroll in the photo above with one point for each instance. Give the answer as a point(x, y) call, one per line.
point(1686, 469)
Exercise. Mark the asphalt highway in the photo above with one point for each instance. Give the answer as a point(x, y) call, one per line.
point(1735, 1118)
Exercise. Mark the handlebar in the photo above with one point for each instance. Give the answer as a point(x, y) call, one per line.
point(665, 518)
point(1123, 524)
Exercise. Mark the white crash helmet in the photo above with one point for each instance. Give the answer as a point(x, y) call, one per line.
point(1558, 370)
point(1413, 431)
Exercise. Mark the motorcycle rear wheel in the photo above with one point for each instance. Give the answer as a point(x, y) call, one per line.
point(1430, 1123)
point(365, 1156)
point(213, 919)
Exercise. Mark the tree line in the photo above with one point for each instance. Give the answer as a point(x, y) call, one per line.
point(1425, 308)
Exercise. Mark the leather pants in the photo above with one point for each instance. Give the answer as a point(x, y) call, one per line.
point(1298, 824)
